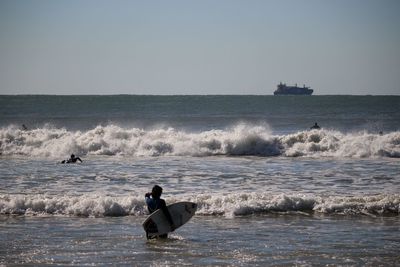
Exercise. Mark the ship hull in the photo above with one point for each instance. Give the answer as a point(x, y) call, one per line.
point(293, 93)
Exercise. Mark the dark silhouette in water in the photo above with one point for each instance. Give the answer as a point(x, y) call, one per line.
point(72, 159)
point(315, 126)
point(24, 127)
point(154, 202)
point(283, 89)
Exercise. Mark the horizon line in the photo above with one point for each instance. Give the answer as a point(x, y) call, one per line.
point(39, 94)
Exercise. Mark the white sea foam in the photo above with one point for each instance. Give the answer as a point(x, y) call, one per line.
point(245, 204)
point(87, 205)
point(336, 144)
point(242, 139)
point(230, 205)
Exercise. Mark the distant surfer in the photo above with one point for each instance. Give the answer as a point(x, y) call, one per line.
point(315, 127)
point(72, 159)
point(154, 202)
point(24, 128)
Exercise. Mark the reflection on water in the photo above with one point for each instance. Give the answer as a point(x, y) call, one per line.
point(256, 240)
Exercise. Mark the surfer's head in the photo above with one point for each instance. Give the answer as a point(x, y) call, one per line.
point(72, 156)
point(156, 191)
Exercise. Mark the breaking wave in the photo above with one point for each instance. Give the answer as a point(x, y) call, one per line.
point(228, 205)
point(254, 203)
point(240, 140)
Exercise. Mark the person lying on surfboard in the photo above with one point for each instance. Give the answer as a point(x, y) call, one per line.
point(154, 202)
point(72, 159)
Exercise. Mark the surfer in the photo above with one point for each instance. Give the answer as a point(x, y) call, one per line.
point(72, 159)
point(315, 126)
point(154, 202)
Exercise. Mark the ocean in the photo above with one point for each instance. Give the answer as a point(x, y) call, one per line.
point(270, 191)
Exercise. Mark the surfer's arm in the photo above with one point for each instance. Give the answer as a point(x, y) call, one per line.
point(147, 199)
point(165, 210)
point(78, 158)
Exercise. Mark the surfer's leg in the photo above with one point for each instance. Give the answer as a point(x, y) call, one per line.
point(149, 236)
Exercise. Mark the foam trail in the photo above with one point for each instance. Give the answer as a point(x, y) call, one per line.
point(97, 205)
point(241, 140)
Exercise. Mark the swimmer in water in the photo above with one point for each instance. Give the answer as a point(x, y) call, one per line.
point(315, 126)
point(72, 159)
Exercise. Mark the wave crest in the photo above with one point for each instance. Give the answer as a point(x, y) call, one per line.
point(329, 143)
point(90, 205)
point(227, 205)
point(240, 140)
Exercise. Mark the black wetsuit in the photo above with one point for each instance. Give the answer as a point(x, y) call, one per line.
point(154, 204)
point(72, 160)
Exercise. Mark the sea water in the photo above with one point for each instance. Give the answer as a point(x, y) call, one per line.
point(269, 190)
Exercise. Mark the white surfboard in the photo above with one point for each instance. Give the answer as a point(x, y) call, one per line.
point(157, 224)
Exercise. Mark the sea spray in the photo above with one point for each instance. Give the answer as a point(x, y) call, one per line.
point(90, 205)
point(240, 140)
point(331, 143)
point(228, 205)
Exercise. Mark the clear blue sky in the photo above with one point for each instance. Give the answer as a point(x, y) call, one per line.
point(199, 47)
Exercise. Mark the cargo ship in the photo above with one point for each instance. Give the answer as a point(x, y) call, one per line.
point(283, 89)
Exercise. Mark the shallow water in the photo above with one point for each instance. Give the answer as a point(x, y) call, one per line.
point(274, 239)
point(252, 211)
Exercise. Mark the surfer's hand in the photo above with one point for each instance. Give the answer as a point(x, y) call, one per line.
point(147, 195)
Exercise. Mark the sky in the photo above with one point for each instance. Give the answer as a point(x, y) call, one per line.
point(199, 47)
